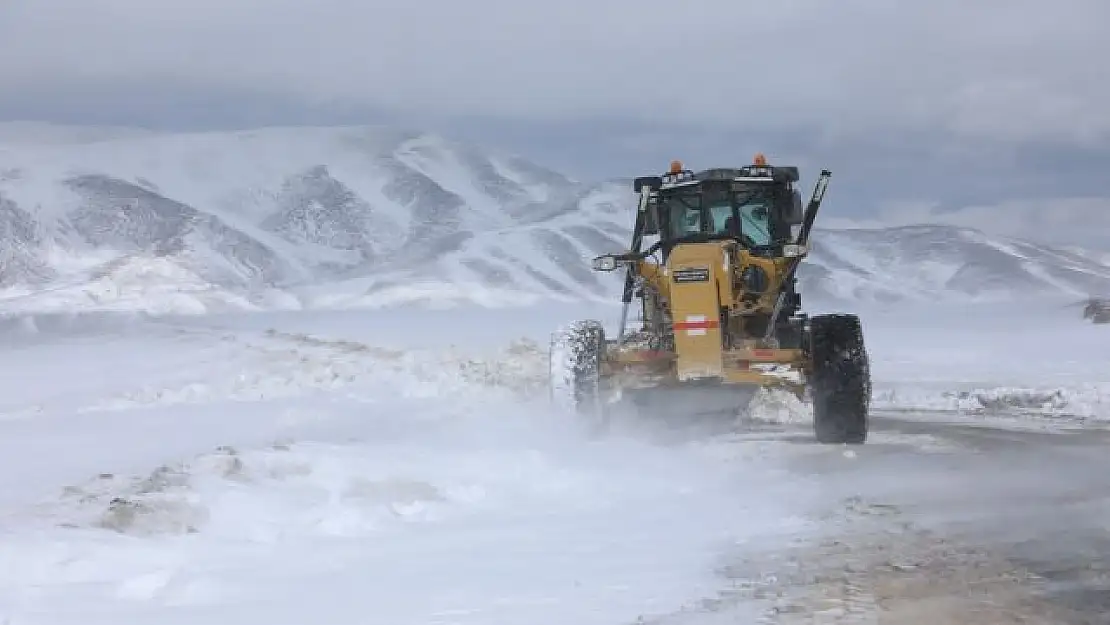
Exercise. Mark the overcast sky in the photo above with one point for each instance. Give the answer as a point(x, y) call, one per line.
point(945, 103)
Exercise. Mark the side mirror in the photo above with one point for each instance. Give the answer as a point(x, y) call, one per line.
point(647, 181)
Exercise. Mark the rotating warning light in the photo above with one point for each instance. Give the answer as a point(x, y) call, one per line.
point(676, 167)
point(760, 160)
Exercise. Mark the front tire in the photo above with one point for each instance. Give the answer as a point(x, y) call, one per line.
point(840, 379)
point(574, 362)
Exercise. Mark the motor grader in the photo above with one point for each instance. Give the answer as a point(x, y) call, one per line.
point(718, 303)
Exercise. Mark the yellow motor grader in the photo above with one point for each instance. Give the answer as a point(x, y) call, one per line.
point(719, 309)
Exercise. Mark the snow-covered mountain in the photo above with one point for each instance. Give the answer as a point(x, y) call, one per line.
point(945, 262)
point(294, 217)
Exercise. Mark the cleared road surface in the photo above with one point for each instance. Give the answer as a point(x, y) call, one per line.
point(941, 523)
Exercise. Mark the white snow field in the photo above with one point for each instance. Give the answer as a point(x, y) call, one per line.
point(1036, 359)
point(173, 472)
point(402, 466)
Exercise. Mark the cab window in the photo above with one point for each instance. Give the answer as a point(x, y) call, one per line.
point(755, 221)
point(684, 215)
point(720, 218)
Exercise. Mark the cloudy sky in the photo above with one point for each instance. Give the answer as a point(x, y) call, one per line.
point(986, 112)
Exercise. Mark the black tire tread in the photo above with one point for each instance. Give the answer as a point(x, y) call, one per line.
point(840, 380)
point(583, 343)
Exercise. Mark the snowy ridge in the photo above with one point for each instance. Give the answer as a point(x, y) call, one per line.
point(366, 216)
point(945, 262)
point(289, 218)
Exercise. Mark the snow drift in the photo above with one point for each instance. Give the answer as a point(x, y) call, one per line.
point(186, 471)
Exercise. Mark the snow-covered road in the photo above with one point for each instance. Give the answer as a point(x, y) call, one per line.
point(181, 474)
point(395, 468)
point(992, 525)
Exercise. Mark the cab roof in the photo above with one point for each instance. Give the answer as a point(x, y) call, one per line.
point(750, 173)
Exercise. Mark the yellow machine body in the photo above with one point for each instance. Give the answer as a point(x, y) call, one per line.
point(699, 291)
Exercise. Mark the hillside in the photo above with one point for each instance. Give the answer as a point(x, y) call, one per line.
point(336, 217)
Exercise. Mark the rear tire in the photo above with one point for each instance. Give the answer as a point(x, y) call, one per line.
point(575, 369)
point(841, 379)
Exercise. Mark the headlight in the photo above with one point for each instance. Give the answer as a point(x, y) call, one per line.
point(793, 250)
point(605, 263)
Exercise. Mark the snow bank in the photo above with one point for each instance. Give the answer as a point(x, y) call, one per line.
point(293, 365)
point(1085, 401)
point(263, 494)
point(429, 294)
point(1036, 359)
point(67, 322)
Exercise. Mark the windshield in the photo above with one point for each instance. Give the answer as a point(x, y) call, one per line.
point(686, 215)
point(755, 219)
